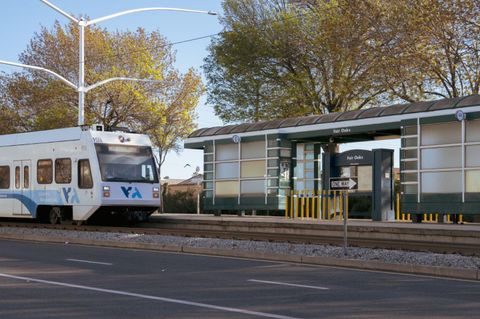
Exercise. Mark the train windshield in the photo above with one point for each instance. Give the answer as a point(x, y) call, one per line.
point(122, 163)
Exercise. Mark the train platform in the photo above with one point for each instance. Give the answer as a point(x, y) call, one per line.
point(314, 223)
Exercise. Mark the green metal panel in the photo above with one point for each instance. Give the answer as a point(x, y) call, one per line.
point(195, 146)
point(438, 119)
point(441, 204)
point(246, 202)
point(408, 122)
point(345, 131)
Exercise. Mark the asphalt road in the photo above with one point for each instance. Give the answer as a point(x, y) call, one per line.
point(68, 281)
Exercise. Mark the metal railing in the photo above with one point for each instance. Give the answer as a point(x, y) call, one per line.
point(426, 217)
point(311, 204)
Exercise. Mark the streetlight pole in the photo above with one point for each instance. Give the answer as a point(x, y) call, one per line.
point(81, 72)
point(82, 23)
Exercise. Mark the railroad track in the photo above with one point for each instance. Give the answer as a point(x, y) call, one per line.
point(404, 238)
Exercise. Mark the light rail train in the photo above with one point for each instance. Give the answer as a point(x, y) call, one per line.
point(73, 174)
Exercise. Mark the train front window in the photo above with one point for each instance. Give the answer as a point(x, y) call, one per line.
point(122, 163)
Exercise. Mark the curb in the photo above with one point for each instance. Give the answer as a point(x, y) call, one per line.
point(457, 273)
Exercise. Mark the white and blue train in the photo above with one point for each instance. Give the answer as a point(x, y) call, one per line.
point(73, 174)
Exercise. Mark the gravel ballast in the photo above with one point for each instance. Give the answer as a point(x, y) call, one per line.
point(354, 253)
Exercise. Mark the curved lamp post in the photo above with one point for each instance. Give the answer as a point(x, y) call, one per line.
point(82, 23)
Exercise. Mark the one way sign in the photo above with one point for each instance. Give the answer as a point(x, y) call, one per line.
point(343, 183)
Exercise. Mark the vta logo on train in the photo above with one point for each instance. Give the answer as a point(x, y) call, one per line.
point(128, 192)
point(70, 194)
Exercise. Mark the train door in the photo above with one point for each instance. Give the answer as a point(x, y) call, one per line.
point(22, 186)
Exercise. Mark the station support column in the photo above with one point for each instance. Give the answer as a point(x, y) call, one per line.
point(383, 193)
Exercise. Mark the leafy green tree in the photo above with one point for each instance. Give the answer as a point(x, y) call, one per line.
point(436, 52)
point(33, 100)
point(282, 58)
point(279, 58)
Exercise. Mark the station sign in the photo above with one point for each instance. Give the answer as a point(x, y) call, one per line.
point(343, 183)
point(354, 158)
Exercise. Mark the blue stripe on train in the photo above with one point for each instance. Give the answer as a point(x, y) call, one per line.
point(38, 197)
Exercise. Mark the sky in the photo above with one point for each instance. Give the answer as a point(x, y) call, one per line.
point(20, 19)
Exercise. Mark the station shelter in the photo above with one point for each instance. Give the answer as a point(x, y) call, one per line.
point(255, 166)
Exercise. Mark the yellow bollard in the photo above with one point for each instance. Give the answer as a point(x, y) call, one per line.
point(313, 207)
point(327, 206)
point(292, 203)
point(302, 205)
point(460, 218)
point(334, 204)
point(409, 217)
point(330, 204)
point(286, 205)
point(340, 206)
point(307, 210)
point(314, 204)
point(297, 206)
point(324, 204)
point(317, 204)
point(397, 213)
point(448, 218)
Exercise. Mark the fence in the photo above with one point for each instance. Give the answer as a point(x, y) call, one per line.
point(329, 205)
point(425, 217)
point(310, 204)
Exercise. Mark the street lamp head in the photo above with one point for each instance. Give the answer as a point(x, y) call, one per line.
point(212, 13)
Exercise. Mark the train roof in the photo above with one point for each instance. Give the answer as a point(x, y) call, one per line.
point(74, 134)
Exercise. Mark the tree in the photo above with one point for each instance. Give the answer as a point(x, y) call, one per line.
point(437, 49)
point(281, 58)
point(32, 100)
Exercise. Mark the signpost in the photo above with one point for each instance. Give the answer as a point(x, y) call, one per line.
point(344, 184)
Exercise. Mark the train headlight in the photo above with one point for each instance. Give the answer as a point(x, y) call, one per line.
point(156, 192)
point(106, 191)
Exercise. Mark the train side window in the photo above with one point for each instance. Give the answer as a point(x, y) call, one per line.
point(44, 171)
point(84, 174)
point(26, 177)
point(63, 170)
point(17, 177)
point(4, 177)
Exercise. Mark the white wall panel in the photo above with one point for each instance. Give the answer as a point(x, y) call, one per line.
point(445, 157)
point(473, 155)
point(253, 149)
point(472, 130)
point(226, 170)
point(226, 152)
point(253, 187)
point(473, 181)
point(253, 169)
point(442, 133)
point(226, 188)
point(442, 182)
